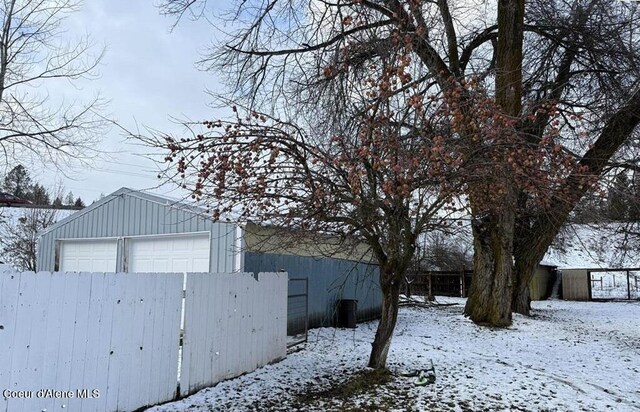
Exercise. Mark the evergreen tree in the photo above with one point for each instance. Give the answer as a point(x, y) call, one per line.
point(57, 202)
point(39, 195)
point(18, 182)
point(69, 200)
point(78, 203)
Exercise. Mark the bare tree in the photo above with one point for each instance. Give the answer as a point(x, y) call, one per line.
point(376, 181)
point(18, 238)
point(33, 54)
point(563, 75)
point(584, 60)
point(446, 250)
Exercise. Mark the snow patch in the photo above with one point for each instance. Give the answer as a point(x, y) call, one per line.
point(570, 356)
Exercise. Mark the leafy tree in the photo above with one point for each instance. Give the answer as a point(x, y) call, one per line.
point(373, 181)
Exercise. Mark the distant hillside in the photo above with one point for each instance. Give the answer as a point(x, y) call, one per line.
point(593, 246)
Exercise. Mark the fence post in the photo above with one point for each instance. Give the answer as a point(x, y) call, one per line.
point(628, 285)
point(306, 310)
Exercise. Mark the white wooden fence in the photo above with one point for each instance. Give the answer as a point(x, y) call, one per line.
point(110, 342)
point(245, 327)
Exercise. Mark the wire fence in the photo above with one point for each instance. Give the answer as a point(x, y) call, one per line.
point(297, 311)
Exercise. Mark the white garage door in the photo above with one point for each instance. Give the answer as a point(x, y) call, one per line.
point(184, 253)
point(88, 255)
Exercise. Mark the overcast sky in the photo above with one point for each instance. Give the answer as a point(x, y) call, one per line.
point(148, 75)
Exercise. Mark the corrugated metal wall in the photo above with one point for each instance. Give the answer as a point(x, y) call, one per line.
point(329, 280)
point(124, 214)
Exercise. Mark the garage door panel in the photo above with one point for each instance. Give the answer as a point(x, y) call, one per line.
point(186, 253)
point(145, 246)
point(180, 265)
point(160, 246)
point(160, 265)
point(101, 247)
point(144, 266)
point(88, 255)
point(201, 263)
point(183, 246)
point(86, 265)
point(201, 244)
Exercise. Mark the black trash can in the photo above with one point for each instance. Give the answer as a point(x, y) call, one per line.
point(347, 309)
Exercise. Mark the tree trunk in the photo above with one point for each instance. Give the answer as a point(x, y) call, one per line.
point(491, 291)
point(509, 56)
point(522, 279)
point(390, 285)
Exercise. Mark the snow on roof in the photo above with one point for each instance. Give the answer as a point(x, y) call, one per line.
point(12, 214)
point(592, 246)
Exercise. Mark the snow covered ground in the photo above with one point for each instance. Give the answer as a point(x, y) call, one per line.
point(571, 356)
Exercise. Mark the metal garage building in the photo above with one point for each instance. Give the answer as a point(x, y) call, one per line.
point(134, 231)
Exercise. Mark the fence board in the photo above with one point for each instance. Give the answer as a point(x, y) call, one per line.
point(9, 286)
point(231, 323)
point(79, 338)
point(145, 396)
point(208, 343)
point(91, 373)
point(21, 350)
point(157, 385)
point(168, 367)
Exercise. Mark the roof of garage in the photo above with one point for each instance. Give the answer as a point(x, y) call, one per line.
point(125, 191)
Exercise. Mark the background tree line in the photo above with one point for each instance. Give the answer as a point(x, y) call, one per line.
point(19, 183)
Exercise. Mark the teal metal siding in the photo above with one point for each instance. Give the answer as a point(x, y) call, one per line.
point(329, 280)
